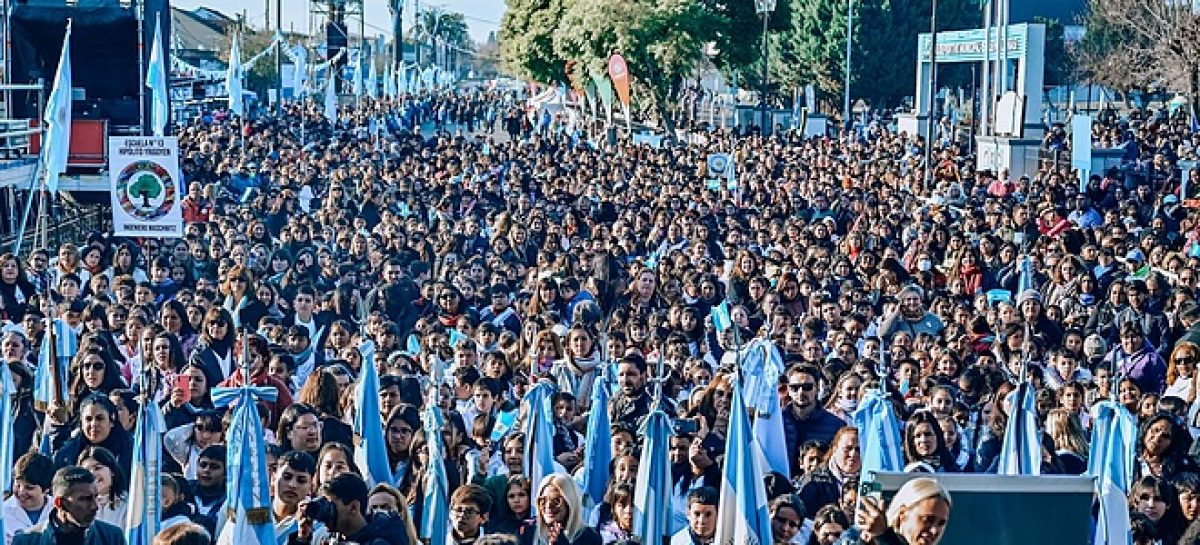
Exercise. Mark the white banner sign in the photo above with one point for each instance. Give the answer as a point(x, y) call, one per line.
point(147, 197)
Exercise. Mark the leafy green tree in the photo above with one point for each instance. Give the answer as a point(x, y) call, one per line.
point(662, 41)
point(813, 48)
point(527, 38)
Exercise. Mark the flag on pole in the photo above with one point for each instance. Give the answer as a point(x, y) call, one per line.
point(370, 448)
point(761, 366)
point(233, 78)
point(358, 76)
point(879, 433)
point(389, 81)
point(720, 317)
point(156, 80)
point(144, 516)
point(248, 496)
point(1112, 459)
point(1025, 278)
point(331, 102)
point(435, 513)
point(742, 516)
point(372, 78)
point(539, 431)
point(1021, 451)
point(59, 346)
point(652, 511)
point(7, 390)
point(58, 118)
point(597, 447)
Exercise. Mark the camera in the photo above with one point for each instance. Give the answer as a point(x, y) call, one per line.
point(321, 510)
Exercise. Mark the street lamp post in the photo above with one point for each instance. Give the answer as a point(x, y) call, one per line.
point(846, 84)
point(764, 9)
point(932, 94)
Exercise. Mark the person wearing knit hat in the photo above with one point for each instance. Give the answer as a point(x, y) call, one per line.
point(1094, 348)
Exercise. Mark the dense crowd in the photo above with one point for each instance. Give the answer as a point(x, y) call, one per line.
point(509, 247)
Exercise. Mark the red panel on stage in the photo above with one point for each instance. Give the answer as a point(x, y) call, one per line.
point(89, 142)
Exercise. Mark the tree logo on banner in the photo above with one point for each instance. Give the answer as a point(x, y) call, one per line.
point(718, 164)
point(146, 190)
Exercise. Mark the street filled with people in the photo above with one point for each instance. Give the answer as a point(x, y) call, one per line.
point(479, 254)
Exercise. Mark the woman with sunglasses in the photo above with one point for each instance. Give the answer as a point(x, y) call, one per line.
point(241, 302)
point(214, 349)
point(560, 519)
point(1181, 371)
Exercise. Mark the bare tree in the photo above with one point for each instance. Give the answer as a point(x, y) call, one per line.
point(1144, 44)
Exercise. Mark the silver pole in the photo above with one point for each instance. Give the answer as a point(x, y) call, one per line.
point(985, 96)
point(140, 12)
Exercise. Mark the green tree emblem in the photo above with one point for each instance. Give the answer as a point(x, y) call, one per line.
point(147, 187)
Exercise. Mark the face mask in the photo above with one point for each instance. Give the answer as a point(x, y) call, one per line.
point(847, 404)
point(925, 265)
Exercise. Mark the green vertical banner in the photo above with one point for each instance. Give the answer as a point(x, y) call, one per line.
point(605, 90)
point(589, 92)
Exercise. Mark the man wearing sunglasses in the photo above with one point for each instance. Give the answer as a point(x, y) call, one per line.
point(805, 419)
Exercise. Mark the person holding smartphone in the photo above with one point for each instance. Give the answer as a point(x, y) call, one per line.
point(917, 515)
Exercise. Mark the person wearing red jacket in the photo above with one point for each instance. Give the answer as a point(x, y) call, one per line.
point(259, 354)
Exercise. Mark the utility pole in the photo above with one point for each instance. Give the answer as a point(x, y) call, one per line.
point(279, 58)
point(932, 94)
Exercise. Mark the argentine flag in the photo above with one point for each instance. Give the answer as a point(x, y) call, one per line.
point(742, 515)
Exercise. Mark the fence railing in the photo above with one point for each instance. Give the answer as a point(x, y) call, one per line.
point(66, 221)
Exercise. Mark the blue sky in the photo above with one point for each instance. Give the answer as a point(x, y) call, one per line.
point(483, 16)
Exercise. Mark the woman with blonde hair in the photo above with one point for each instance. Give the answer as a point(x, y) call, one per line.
point(241, 302)
point(918, 514)
point(1070, 443)
point(1181, 371)
point(559, 515)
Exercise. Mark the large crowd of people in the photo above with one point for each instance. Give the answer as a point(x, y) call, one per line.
point(460, 232)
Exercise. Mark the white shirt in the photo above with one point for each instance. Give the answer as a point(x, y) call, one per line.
point(17, 519)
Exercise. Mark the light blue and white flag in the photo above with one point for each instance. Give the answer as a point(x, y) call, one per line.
point(539, 431)
point(1021, 451)
point(720, 317)
point(597, 446)
point(58, 118)
point(331, 101)
point(247, 490)
point(233, 78)
point(370, 447)
point(435, 512)
point(879, 438)
point(1025, 277)
point(143, 516)
point(652, 510)
point(742, 515)
point(7, 390)
point(372, 78)
point(762, 366)
point(1113, 455)
point(59, 346)
point(157, 74)
point(359, 77)
point(389, 81)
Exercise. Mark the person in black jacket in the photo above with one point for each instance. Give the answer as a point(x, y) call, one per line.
point(98, 427)
point(347, 494)
point(805, 419)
